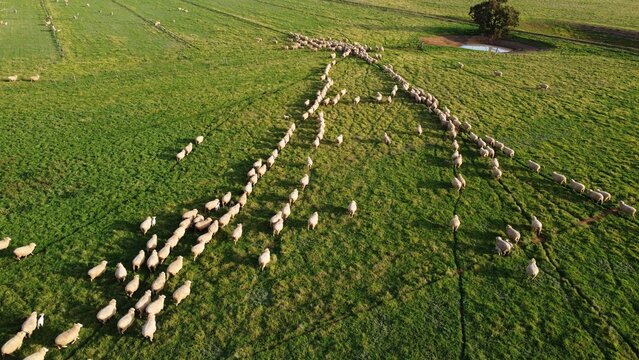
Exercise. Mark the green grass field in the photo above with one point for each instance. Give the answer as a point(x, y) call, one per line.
point(89, 151)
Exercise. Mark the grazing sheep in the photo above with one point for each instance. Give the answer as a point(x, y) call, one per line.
point(120, 272)
point(190, 214)
point(236, 234)
point(340, 139)
point(144, 301)
point(12, 78)
point(309, 162)
point(38, 355)
point(14, 344)
point(286, 211)
point(199, 140)
point(270, 161)
point(35, 78)
point(304, 181)
point(503, 246)
point(278, 226)
point(224, 219)
point(457, 162)
point(483, 152)
point(513, 234)
point(596, 196)
point(257, 164)
point(24, 251)
point(156, 306)
point(30, 324)
point(186, 223)
point(201, 225)
point(389, 99)
point(627, 209)
point(606, 195)
point(534, 166)
point(292, 198)
point(158, 283)
point(387, 139)
point(149, 327)
point(316, 143)
point(243, 198)
point(262, 170)
point(253, 179)
point(132, 286)
point(107, 312)
point(4, 243)
point(97, 270)
point(457, 185)
point(181, 231)
point(138, 260)
point(214, 204)
point(197, 249)
point(454, 145)
point(532, 270)
point(126, 321)
point(153, 261)
point(68, 337)
point(419, 129)
point(175, 267)
point(379, 97)
point(460, 65)
point(313, 220)
point(227, 197)
point(352, 208)
point(165, 251)
point(180, 156)
point(496, 173)
point(356, 100)
point(264, 259)
point(205, 238)
point(498, 73)
point(508, 151)
point(182, 292)
point(275, 218)
point(455, 222)
point(251, 172)
point(577, 186)
point(558, 178)
point(494, 162)
point(535, 225)
point(213, 229)
point(461, 180)
point(234, 210)
point(543, 86)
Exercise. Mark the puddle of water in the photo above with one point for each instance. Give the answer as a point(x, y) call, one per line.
point(483, 47)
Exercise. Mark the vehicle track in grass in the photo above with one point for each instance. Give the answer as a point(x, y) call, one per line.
point(54, 36)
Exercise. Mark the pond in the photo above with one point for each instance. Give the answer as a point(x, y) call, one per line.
point(484, 47)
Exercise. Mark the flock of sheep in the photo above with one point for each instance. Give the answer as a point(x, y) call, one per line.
point(207, 227)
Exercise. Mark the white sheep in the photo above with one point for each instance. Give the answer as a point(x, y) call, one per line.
point(558, 178)
point(38, 355)
point(180, 156)
point(379, 97)
point(97, 270)
point(356, 100)
point(503, 246)
point(387, 139)
point(606, 195)
point(419, 129)
point(340, 139)
point(14, 344)
point(197, 249)
point(316, 143)
point(455, 223)
point(627, 209)
point(458, 161)
point(199, 140)
point(138, 260)
point(277, 227)
point(494, 162)
point(543, 86)
point(153, 261)
point(270, 161)
point(4, 243)
point(304, 181)
point(577, 186)
point(262, 170)
point(149, 328)
point(513, 234)
point(460, 65)
point(253, 179)
point(190, 214)
point(214, 204)
point(457, 185)
point(313, 220)
point(107, 312)
point(158, 284)
point(496, 173)
point(535, 225)
point(461, 180)
point(498, 73)
point(257, 164)
point(292, 198)
point(68, 337)
point(126, 321)
point(275, 218)
point(286, 211)
point(534, 166)
point(264, 259)
point(213, 229)
point(201, 225)
point(12, 78)
point(224, 219)
point(234, 210)
point(30, 324)
point(175, 267)
point(165, 251)
point(309, 162)
point(132, 286)
point(182, 292)
point(243, 198)
point(227, 197)
point(188, 148)
point(35, 78)
point(532, 270)
point(120, 272)
point(143, 302)
point(155, 306)
point(454, 145)
point(352, 208)
point(24, 251)
point(596, 196)
point(508, 151)
point(236, 234)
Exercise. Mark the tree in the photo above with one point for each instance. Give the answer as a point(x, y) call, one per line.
point(494, 17)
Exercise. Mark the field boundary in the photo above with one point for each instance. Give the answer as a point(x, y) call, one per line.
point(56, 40)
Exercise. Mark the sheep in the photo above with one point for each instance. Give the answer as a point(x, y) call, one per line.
point(175, 267)
point(387, 139)
point(224, 219)
point(159, 282)
point(251, 172)
point(498, 73)
point(186, 223)
point(38, 355)
point(138, 260)
point(356, 100)
point(606, 195)
point(126, 321)
point(24, 251)
point(30, 324)
point(627, 209)
point(499, 145)
point(190, 214)
point(153, 261)
point(182, 292)
point(534, 166)
point(213, 229)
point(307, 102)
point(107, 312)
point(165, 251)
point(457, 185)
point(201, 225)
point(12, 78)
point(132, 286)
point(180, 156)
point(236, 234)
point(494, 162)
point(4, 243)
point(227, 198)
point(292, 198)
point(197, 249)
point(496, 173)
point(454, 145)
point(68, 337)
point(264, 259)
point(558, 178)
point(352, 208)
point(461, 180)
point(513, 234)
point(120, 272)
point(577, 186)
point(149, 328)
point(275, 218)
point(419, 129)
point(309, 162)
point(199, 140)
point(243, 199)
point(234, 210)
point(339, 140)
point(97, 270)
point(532, 270)
point(262, 170)
point(543, 86)
point(35, 78)
point(483, 152)
point(205, 238)
point(286, 211)
point(535, 225)
point(304, 181)
point(278, 226)
point(156, 306)
point(389, 99)
point(457, 162)
point(316, 143)
point(454, 223)
point(508, 151)
point(253, 179)
point(313, 220)
point(144, 301)
point(257, 164)
point(214, 204)
point(14, 344)
point(270, 161)
point(460, 65)
point(503, 246)
point(596, 196)
point(379, 97)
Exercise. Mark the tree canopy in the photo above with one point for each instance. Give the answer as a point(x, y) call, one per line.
point(494, 17)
